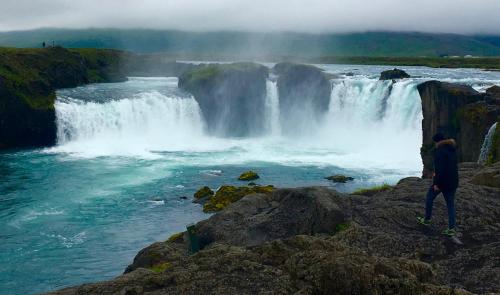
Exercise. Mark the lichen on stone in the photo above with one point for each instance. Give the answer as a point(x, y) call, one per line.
point(161, 267)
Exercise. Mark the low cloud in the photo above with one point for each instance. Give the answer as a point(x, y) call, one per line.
point(337, 16)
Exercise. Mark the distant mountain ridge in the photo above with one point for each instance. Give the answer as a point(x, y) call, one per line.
point(246, 44)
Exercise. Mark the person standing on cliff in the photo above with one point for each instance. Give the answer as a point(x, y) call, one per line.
point(445, 181)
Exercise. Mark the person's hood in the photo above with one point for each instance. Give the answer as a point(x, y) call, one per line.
point(447, 143)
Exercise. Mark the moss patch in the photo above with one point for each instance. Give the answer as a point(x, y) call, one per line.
point(341, 227)
point(228, 194)
point(373, 190)
point(176, 237)
point(161, 267)
point(203, 193)
point(248, 176)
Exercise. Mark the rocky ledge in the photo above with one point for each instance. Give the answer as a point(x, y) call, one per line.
point(318, 241)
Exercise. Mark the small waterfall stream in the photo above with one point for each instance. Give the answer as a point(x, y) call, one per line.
point(485, 149)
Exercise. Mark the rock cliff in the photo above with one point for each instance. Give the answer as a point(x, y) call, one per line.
point(459, 112)
point(28, 80)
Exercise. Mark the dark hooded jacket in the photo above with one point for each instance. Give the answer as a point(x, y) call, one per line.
point(445, 165)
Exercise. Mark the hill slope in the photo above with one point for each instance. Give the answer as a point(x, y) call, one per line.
point(260, 44)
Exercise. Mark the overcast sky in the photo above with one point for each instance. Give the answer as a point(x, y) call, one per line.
point(318, 16)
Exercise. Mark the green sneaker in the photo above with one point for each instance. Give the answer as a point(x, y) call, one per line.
point(423, 221)
point(450, 232)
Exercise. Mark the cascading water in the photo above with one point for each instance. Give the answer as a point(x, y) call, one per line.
point(367, 121)
point(272, 108)
point(147, 121)
point(485, 148)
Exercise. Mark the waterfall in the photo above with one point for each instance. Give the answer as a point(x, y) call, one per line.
point(148, 121)
point(368, 122)
point(485, 148)
point(272, 109)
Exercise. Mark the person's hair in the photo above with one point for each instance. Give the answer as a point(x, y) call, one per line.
point(438, 137)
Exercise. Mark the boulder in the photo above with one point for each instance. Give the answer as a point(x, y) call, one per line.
point(231, 97)
point(228, 194)
point(304, 92)
point(248, 176)
point(458, 111)
point(488, 176)
point(493, 91)
point(339, 178)
point(393, 74)
point(204, 192)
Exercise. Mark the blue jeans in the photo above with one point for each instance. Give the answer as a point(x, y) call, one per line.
point(449, 196)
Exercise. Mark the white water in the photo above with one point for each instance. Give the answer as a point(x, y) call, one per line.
point(272, 109)
point(485, 148)
point(146, 122)
point(370, 124)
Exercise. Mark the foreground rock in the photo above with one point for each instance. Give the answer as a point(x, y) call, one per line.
point(231, 96)
point(393, 74)
point(459, 112)
point(319, 241)
point(304, 93)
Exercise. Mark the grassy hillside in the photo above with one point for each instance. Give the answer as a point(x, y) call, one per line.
point(238, 44)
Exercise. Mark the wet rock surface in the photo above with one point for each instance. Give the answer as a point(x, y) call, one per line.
point(318, 241)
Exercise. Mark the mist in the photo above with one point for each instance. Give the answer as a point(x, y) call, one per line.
point(314, 16)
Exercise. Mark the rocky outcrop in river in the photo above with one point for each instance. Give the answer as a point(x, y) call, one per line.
point(318, 241)
point(459, 112)
point(231, 97)
point(304, 93)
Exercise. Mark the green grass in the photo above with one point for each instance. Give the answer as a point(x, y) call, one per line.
point(372, 190)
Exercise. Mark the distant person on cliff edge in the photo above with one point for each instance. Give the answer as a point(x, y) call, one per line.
point(445, 181)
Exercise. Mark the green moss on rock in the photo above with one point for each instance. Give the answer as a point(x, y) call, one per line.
point(178, 237)
point(228, 194)
point(249, 176)
point(203, 193)
point(161, 267)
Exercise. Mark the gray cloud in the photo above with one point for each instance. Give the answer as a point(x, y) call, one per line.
point(319, 16)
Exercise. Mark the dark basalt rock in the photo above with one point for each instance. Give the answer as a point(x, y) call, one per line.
point(393, 74)
point(231, 97)
point(493, 91)
point(302, 89)
point(319, 241)
point(458, 111)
